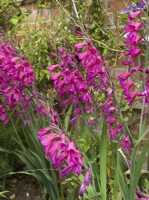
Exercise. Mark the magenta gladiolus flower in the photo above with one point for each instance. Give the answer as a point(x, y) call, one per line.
point(60, 151)
point(74, 119)
point(47, 140)
point(27, 121)
point(128, 62)
point(66, 170)
point(54, 116)
point(85, 183)
point(43, 131)
point(126, 86)
point(42, 110)
point(147, 71)
point(124, 76)
point(138, 192)
point(113, 132)
point(126, 144)
point(6, 121)
point(48, 112)
point(51, 68)
point(3, 113)
point(133, 27)
point(74, 157)
point(53, 55)
point(136, 69)
point(81, 45)
point(79, 32)
point(134, 15)
point(111, 120)
point(59, 160)
point(56, 151)
point(131, 97)
point(56, 76)
point(145, 93)
point(108, 103)
point(133, 52)
point(91, 121)
point(133, 39)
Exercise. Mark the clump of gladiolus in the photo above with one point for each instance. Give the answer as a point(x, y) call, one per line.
point(63, 154)
point(58, 148)
point(80, 73)
point(61, 150)
point(16, 75)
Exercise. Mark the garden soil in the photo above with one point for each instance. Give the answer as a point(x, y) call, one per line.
point(22, 187)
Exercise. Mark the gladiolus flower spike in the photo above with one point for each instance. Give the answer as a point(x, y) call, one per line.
point(62, 152)
point(76, 87)
point(132, 41)
point(16, 75)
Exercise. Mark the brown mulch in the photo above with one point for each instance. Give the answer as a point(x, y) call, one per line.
point(22, 187)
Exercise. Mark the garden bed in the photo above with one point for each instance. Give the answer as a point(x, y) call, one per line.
point(22, 187)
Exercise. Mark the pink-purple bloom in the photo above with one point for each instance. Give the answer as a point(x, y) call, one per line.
point(132, 40)
point(78, 32)
point(75, 87)
point(51, 68)
point(142, 198)
point(136, 69)
point(42, 110)
point(16, 75)
point(43, 131)
point(126, 144)
point(71, 84)
point(134, 15)
point(61, 150)
point(140, 193)
point(49, 112)
point(81, 45)
point(124, 76)
point(133, 27)
point(86, 183)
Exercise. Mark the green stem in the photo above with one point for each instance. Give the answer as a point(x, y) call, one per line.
point(141, 119)
point(103, 161)
point(62, 193)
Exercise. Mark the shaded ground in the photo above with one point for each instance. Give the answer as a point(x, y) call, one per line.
point(22, 187)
